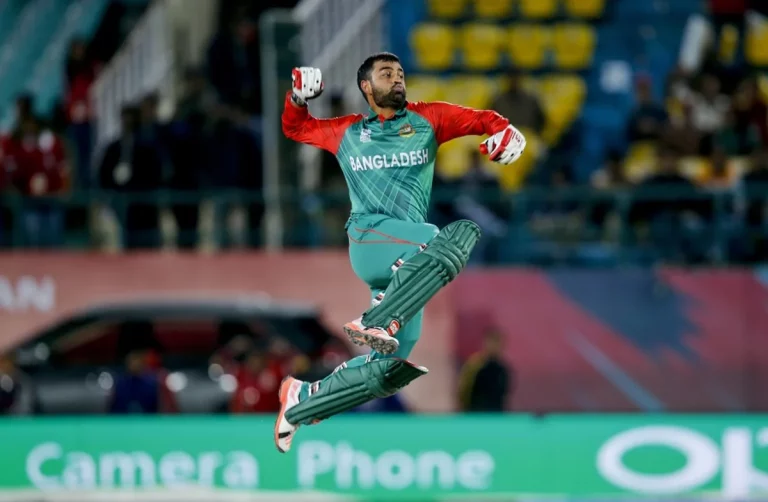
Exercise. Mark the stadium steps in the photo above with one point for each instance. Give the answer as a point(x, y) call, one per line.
point(34, 45)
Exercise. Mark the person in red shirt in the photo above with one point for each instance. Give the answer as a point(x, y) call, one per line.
point(35, 164)
point(257, 383)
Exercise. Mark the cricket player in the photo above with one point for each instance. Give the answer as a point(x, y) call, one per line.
point(388, 160)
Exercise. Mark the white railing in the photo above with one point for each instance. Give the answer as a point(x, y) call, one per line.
point(336, 36)
point(143, 64)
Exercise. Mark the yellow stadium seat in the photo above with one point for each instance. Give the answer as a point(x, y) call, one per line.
point(447, 9)
point(433, 46)
point(756, 49)
point(493, 9)
point(697, 169)
point(640, 161)
point(472, 91)
point(562, 97)
point(728, 45)
point(586, 9)
point(538, 9)
point(454, 158)
point(528, 46)
point(574, 45)
point(481, 46)
point(423, 88)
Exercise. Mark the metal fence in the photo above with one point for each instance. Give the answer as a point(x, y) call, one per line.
point(537, 226)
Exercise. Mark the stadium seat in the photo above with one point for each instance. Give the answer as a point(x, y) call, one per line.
point(447, 9)
point(762, 85)
point(493, 9)
point(433, 46)
point(585, 9)
point(697, 169)
point(562, 97)
point(538, 9)
point(757, 44)
point(728, 45)
point(574, 45)
point(481, 46)
point(528, 46)
point(455, 157)
point(424, 88)
point(640, 161)
point(472, 91)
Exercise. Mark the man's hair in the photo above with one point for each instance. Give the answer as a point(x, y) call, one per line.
point(365, 70)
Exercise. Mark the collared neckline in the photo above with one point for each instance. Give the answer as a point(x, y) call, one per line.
point(372, 115)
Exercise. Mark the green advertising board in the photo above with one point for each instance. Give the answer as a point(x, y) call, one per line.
point(414, 457)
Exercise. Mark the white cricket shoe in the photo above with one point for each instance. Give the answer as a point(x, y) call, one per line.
point(289, 397)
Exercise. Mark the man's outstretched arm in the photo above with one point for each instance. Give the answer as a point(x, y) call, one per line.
point(299, 125)
point(450, 121)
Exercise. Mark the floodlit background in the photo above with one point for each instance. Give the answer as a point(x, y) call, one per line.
point(168, 255)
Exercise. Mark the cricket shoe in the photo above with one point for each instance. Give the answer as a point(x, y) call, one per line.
point(381, 340)
point(289, 397)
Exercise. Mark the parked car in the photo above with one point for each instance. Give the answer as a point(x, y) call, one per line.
point(74, 364)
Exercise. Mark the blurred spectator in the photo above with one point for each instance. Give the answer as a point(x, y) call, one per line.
point(141, 388)
point(134, 167)
point(35, 163)
point(737, 137)
point(520, 106)
point(257, 385)
point(722, 175)
point(234, 66)
point(484, 382)
point(649, 117)
point(477, 196)
point(728, 23)
point(235, 341)
point(755, 185)
point(289, 360)
point(81, 73)
point(669, 205)
point(708, 111)
point(665, 178)
point(750, 108)
point(190, 146)
point(25, 108)
point(611, 177)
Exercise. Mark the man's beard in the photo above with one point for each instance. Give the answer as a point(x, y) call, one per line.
point(389, 99)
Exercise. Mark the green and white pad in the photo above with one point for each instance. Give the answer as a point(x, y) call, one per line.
point(350, 387)
point(422, 276)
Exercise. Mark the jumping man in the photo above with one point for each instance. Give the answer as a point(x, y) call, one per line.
point(388, 160)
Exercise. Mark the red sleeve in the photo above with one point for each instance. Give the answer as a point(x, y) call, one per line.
point(454, 121)
point(327, 134)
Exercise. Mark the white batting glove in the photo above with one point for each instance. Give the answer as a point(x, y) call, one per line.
point(307, 84)
point(504, 147)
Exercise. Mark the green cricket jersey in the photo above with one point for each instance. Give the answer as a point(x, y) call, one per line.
point(388, 164)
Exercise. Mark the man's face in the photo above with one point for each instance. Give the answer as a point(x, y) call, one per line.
point(388, 84)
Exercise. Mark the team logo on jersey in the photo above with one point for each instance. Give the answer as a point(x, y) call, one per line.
point(407, 131)
point(365, 136)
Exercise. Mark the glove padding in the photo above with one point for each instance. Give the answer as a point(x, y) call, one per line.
point(307, 84)
point(504, 147)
